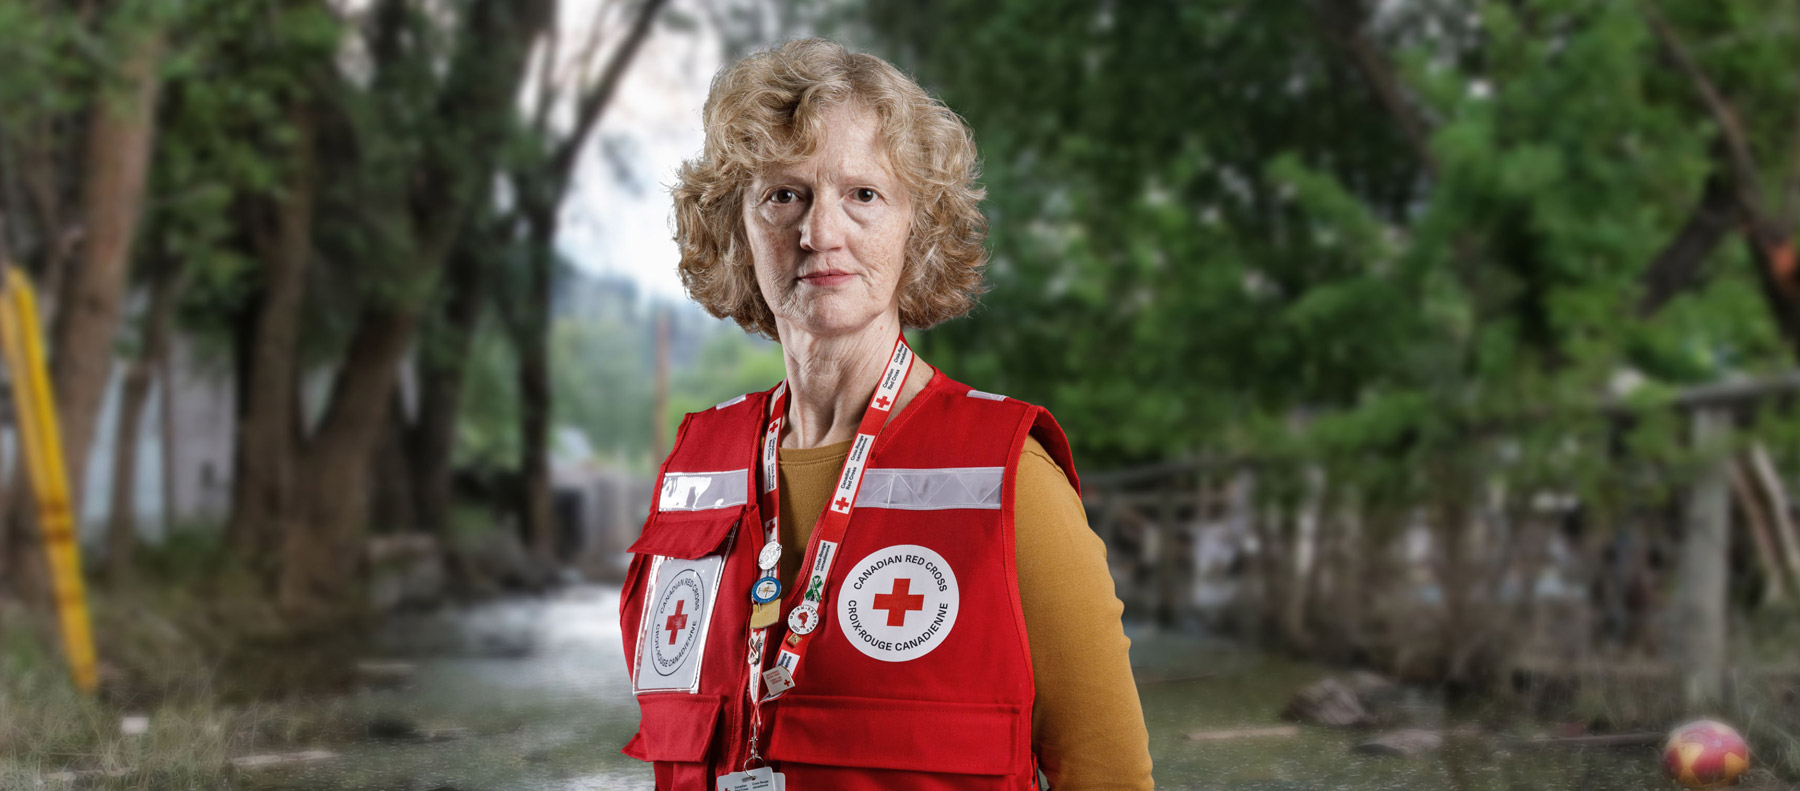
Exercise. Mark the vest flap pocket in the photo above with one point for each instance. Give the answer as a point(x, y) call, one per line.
point(675, 727)
point(914, 735)
point(687, 535)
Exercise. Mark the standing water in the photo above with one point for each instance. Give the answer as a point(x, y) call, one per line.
point(532, 694)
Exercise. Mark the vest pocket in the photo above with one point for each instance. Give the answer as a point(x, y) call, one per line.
point(675, 582)
point(675, 727)
point(688, 535)
point(905, 735)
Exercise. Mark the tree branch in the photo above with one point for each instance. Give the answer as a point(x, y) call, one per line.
point(1737, 147)
point(578, 67)
point(593, 103)
point(1347, 24)
point(546, 78)
point(1677, 267)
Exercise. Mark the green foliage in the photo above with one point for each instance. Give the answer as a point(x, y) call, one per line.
point(225, 152)
point(602, 369)
point(487, 429)
point(1211, 235)
point(730, 364)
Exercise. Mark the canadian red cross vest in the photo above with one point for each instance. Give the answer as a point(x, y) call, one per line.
point(918, 675)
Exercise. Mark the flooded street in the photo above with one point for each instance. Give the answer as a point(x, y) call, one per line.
point(532, 694)
point(1246, 689)
point(528, 694)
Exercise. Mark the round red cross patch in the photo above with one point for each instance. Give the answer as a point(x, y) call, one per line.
point(898, 603)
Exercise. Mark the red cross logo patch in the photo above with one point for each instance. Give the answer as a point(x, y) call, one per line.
point(899, 603)
point(676, 622)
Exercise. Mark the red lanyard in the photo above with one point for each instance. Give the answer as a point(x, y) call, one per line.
point(821, 551)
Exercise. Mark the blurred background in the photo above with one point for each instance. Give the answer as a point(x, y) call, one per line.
point(1429, 364)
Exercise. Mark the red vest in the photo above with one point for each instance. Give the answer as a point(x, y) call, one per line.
point(918, 675)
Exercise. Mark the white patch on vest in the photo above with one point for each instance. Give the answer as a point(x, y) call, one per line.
point(726, 403)
point(989, 396)
point(699, 491)
point(678, 609)
point(899, 603)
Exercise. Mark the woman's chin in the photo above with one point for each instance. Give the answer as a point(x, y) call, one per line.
point(826, 320)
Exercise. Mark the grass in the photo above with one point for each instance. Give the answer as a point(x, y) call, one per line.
point(47, 727)
point(192, 643)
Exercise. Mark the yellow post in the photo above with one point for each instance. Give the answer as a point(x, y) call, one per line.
point(41, 446)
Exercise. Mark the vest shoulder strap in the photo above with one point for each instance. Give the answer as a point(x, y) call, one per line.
point(998, 409)
point(714, 452)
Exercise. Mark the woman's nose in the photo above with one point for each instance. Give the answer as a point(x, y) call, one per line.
point(823, 227)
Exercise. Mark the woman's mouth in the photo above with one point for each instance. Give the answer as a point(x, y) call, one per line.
point(827, 278)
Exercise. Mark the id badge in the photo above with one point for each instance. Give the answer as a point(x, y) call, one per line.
point(678, 614)
point(762, 779)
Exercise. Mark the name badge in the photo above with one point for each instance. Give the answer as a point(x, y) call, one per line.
point(762, 779)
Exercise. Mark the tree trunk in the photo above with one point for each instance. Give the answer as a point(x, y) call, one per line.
point(392, 504)
point(443, 363)
point(121, 528)
point(24, 571)
point(534, 435)
point(533, 346)
point(117, 164)
point(323, 546)
point(45, 158)
point(541, 195)
point(265, 453)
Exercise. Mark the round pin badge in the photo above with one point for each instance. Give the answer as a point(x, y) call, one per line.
point(766, 590)
point(804, 618)
point(771, 555)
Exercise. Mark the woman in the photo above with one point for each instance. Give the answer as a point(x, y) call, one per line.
point(870, 576)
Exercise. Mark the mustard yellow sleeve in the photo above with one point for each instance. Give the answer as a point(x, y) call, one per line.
point(1087, 726)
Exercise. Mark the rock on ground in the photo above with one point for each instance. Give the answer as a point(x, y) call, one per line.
point(1328, 702)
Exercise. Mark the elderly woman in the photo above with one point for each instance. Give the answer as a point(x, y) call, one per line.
point(870, 576)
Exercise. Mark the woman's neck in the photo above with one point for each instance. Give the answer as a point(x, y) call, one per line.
point(831, 379)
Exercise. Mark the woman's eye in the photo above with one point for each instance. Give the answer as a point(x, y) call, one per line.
point(784, 195)
point(863, 195)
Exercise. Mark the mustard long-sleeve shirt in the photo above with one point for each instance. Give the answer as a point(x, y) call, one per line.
point(1087, 727)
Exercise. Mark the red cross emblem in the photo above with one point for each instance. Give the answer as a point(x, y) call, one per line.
point(842, 503)
point(899, 601)
point(882, 401)
point(676, 622)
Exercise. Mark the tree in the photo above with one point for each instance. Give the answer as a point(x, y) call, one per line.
point(1409, 244)
point(1315, 207)
point(86, 202)
point(512, 249)
point(425, 138)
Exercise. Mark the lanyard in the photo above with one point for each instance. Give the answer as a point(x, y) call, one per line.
point(821, 552)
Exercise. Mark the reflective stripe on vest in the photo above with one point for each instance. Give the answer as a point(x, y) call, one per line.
point(931, 489)
point(700, 491)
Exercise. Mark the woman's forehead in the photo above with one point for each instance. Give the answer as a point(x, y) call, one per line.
point(848, 144)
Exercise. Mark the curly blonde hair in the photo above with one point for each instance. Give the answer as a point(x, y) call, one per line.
point(766, 111)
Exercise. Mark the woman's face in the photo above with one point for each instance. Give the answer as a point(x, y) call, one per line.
point(828, 235)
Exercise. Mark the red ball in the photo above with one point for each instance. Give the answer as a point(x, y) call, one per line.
point(1705, 754)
